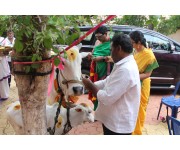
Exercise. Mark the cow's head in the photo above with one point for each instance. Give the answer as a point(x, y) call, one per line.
point(81, 113)
point(70, 78)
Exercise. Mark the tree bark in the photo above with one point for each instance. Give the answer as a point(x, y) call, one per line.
point(32, 91)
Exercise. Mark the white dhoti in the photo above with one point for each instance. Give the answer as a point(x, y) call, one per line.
point(4, 74)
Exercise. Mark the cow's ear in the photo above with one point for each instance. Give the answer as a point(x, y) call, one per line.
point(78, 109)
point(84, 104)
point(79, 46)
point(17, 107)
point(84, 54)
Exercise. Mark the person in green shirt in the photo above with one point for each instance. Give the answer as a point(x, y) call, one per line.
point(101, 64)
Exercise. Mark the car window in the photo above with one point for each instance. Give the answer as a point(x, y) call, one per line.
point(88, 40)
point(111, 33)
point(157, 43)
point(177, 47)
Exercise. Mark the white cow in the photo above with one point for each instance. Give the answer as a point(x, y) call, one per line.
point(71, 85)
point(78, 114)
point(70, 78)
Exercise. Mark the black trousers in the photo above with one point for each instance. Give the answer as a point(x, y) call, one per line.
point(109, 132)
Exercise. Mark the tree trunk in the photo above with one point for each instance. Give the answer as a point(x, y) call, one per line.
point(32, 91)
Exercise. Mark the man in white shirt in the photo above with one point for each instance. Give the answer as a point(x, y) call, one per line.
point(9, 41)
point(4, 74)
point(119, 93)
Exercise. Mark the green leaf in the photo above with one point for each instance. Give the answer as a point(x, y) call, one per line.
point(39, 58)
point(27, 20)
point(48, 43)
point(65, 54)
point(27, 69)
point(56, 61)
point(56, 50)
point(19, 19)
point(34, 57)
point(60, 40)
point(18, 46)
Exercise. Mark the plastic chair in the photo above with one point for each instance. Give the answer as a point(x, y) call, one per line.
point(171, 102)
point(173, 125)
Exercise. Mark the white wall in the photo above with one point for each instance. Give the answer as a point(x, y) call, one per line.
point(175, 36)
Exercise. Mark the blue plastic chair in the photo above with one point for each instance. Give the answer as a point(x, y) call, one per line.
point(171, 102)
point(173, 125)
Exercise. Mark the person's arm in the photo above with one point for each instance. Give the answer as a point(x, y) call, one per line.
point(103, 58)
point(101, 83)
point(90, 86)
point(90, 56)
point(145, 75)
point(108, 59)
point(99, 58)
point(148, 71)
point(116, 87)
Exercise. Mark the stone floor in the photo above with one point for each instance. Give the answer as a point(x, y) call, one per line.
point(152, 125)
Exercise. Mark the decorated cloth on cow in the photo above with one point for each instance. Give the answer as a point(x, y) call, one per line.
point(72, 99)
point(99, 70)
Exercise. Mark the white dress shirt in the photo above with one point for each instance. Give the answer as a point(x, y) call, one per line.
point(119, 97)
point(6, 42)
point(1, 40)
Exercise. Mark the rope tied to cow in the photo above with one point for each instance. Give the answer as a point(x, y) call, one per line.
point(66, 82)
point(67, 126)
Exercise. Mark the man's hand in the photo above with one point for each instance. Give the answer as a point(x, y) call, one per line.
point(108, 59)
point(99, 58)
point(87, 83)
point(89, 56)
point(90, 86)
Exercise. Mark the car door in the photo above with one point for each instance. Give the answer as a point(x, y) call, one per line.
point(168, 66)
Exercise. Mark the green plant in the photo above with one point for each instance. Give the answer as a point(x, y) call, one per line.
point(36, 35)
point(136, 20)
point(169, 25)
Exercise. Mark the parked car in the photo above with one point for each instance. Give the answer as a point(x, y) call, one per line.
point(166, 50)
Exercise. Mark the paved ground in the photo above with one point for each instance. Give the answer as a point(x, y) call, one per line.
point(152, 126)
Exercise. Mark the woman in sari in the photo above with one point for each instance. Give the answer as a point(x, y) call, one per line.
point(146, 62)
point(100, 66)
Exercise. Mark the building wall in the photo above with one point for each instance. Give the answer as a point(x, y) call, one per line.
point(175, 36)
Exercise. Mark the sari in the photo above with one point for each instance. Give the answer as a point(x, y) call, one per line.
point(99, 70)
point(146, 62)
